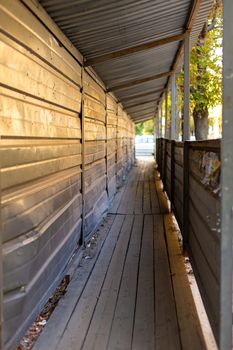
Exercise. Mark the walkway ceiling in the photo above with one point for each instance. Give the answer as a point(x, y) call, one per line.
point(134, 46)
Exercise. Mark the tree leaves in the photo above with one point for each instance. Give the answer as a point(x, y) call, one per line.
point(206, 66)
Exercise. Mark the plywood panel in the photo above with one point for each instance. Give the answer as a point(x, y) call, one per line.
point(27, 73)
point(31, 33)
point(27, 117)
point(40, 158)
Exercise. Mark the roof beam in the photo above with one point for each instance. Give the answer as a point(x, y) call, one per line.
point(193, 14)
point(141, 114)
point(142, 103)
point(139, 81)
point(131, 50)
point(132, 97)
point(145, 116)
point(140, 111)
point(189, 25)
point(143, 119)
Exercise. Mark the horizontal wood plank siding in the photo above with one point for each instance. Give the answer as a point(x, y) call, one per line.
point(41, 158)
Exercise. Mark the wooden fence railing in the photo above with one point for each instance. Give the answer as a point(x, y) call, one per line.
point(191, 175)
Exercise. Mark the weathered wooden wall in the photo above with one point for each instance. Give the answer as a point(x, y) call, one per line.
point(41, 158)
point(178, 181)
point(112, 121)
point(96, 198)
point(196, 203)
point(204, 228)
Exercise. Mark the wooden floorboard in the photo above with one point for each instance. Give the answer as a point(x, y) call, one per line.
point(155, 208)
point(163, 200)
point(189, 325)
point(143, 333)
point(135, 294)
point(122, 326)
point(139, 195)
point(60, 318)
point(138, 208)
point(166, 325)
point(146, 198)
point(100, 326)
point(78, 325)
point(127, 201)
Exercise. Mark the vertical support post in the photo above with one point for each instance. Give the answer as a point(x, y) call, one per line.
point(157, 137)
point(173, 114)
point(134, 150)
point(158, 134)
point(185, 228)
point(226, 257)
point(186, 127)
point(155, 140)
point(157, 124)
point(166, 114)
point(172, 178)
point(177, 114)
point(1, 271)
point(165, 165)
point(82, 239)
point(160, 120)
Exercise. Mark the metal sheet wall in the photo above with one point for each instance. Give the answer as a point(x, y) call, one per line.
point(41, 160)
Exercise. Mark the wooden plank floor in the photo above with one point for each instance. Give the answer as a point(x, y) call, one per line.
point(134, 293)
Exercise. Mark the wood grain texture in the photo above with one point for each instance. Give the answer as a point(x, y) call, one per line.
point(190, 330)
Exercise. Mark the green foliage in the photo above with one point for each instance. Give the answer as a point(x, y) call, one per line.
point(148, 127)
point(206, 66)
point(145, 128)
point(139, 129)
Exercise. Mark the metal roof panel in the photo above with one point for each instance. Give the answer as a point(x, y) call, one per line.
point(105, 26)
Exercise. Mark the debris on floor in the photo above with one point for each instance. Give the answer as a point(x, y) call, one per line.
point(37, 327)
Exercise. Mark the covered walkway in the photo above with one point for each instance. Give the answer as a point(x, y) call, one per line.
point(133, 293)
point(76, 76)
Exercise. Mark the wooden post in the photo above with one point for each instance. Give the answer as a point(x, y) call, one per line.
point(1, 278)
point(226, 256)
point(160, 120)
point(185, 224)
point(166, 114)
point(155, 140)
point(172, 178)
point(186, 136)
point(173, 114)
point(165, 164)
point(186, 127)
point(82, 239)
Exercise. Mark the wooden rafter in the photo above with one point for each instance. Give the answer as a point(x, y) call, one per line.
point(138, 81)
point(142, 111)
point(189, 25)
point(142, 103)
point(132, 97)
point(129, 51)
point(139, 120)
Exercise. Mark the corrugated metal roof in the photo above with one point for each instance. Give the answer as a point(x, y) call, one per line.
point(105, 26)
